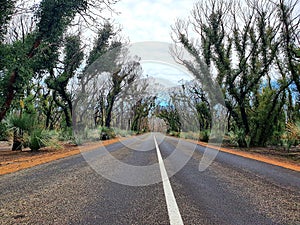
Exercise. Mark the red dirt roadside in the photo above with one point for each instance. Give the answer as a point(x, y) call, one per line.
point(14, 161)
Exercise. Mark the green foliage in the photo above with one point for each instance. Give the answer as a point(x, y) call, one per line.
point(291, 136)
point(38, 139)
point(72, 60)
point(21, 125)
point(171, 117)
point(106, 133)
point(266, 117)
point(293, 129)
point(73, 55)
point(204, 135)
point(29, 134)
point(248, 140)
point(66, 134)
point(88, 135)
point(46, 56)
point(101, 44)
point(3, 132)
point(204, 115)
point(32, 61)
point(26, 122)
point(174, 133)
point(124, 133)
point(54, 17)
point(6, 11)
point(140, 114)
point(189, 135)
point(13, 58)
point(20, 64)
point(237, 137)
point(78, 140)
point(255, 100)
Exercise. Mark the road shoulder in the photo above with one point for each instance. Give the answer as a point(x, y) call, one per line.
point(282, 162)
point(22, 160)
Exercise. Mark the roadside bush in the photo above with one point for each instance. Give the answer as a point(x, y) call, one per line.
point(38, 139)
point(276, 138)
point(237, 137)
point(4, 134)
point(189, 135)
point(87, 135)
point(66, 134)
point(21, 125)
point(41, 138)
point(92, 134)
point(204, 135)
point(291, 135)
point(78, 140)
point(174, 134)
point(192, 135)
point(123, 133)
point(106, 133)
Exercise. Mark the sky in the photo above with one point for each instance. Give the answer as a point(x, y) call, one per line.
point(151, 21)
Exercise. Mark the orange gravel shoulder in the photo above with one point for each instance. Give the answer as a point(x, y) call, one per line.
point(270, 159)
point(14, 161)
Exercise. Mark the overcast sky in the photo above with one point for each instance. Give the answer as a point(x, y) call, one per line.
point(150, 20)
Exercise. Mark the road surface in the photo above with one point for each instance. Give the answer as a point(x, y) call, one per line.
point(233, 190)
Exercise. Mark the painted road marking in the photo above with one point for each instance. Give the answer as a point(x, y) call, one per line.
point(173, 211)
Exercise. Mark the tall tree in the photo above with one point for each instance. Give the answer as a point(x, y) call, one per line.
point(53, 19)
point(289, 25)
point(72, 60)
point(120, 79)
point(6, 12)
point(171, 116)
point(240, 46)
point(100, 59)
point(141, 111)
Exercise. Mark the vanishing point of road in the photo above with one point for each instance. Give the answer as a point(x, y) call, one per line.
point(232, 190)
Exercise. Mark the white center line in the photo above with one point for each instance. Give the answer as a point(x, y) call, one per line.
point(173, 211)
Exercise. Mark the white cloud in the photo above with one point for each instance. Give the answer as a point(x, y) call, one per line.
point(151, 20)
point(166, 75)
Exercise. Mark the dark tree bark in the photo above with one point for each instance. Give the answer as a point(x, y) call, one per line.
point(10, 94)
point(17, 140)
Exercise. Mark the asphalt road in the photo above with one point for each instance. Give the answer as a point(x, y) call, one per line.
point(122, 184)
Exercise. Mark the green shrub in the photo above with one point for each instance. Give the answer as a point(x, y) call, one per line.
point(204, 135)
point(38, 139)
point(25, 123)
point(78, 140)
point(291, 136)
point(190, 135)
point(92, 134)
point(174, 134)
point(123, 133)
point(4, 134)
point(248, 140)
point(66, 134)
point(41, 138)
point(287, 144)
point(106, 133)
point(237, 137)
point(21, 125)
